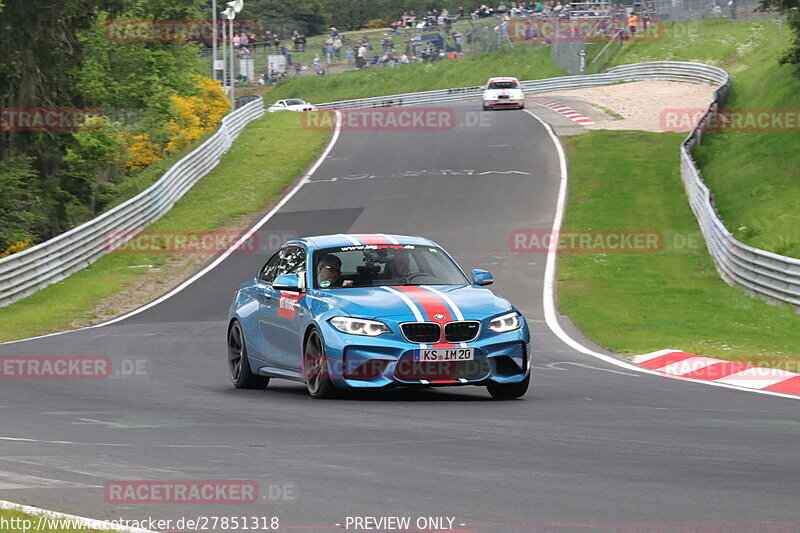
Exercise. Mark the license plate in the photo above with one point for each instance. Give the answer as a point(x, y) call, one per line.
point(444, 354)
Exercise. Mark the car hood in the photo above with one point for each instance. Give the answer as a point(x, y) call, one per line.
point(380, 302)
point(493, 94)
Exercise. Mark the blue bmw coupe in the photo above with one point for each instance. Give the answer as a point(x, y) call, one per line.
point(367, 311)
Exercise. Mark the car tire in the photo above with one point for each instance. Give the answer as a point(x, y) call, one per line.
point(315, 368)
point(509, 391)
point(238, 363)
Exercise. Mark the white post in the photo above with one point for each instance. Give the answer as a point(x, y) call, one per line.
point(214, 39)
point(233, 70)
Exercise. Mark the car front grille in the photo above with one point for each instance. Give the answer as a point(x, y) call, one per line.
point(431, 332)
point(409, 370)
point(424, 332)
point(463, 331)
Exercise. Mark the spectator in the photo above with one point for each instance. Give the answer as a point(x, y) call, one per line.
point(334, 32)
point(458, 39)
point(361, 56)
point(297, 70)
point(337, 47)
point(633, 20)
point(315, 62)
point(328, 54)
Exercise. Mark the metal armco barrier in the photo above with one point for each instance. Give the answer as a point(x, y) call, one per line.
point(762, 273)
point(28, 271)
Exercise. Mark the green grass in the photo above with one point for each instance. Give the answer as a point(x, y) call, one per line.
point(753, 174)
point(525, 62)
point(636, 303)
point(249, 177)
point(718, 42)
point(52, 525)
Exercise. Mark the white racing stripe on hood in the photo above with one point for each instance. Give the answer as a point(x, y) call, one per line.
point(351, 239)
point(411, 305)
point(389, 238)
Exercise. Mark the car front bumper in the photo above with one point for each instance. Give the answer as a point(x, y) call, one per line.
point(381, 362)
point(501, 104)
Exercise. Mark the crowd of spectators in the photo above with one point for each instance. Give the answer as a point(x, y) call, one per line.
point(336, 48)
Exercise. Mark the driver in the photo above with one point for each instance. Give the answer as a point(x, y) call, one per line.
point(329, 270)
point(399, 265)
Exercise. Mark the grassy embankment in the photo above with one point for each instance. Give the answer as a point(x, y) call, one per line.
point(636, 303)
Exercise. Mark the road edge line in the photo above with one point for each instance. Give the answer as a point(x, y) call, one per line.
point(75, 520)
point(548, 292)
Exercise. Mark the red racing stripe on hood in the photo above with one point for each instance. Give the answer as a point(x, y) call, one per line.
point(432, 305)
point(367, 238)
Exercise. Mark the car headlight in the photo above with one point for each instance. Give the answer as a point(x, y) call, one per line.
point(360, 326)
point(507, 322)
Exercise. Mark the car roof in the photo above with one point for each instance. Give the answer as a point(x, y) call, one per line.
point(502, 78)
point(347, 239)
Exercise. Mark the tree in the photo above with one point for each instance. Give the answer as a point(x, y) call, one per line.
point(791, 9)
point(20, 212)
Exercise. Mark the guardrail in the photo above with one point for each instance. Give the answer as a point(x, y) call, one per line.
point(654, 70)
point(762, 273)
point(28, 271)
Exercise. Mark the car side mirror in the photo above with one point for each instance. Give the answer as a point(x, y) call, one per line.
point(482, 277)
point(287, 282)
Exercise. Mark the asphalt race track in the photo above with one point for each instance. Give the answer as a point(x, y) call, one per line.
point(591, 447)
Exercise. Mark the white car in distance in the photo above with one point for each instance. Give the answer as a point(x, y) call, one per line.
point(291, 104)
point(503, 92)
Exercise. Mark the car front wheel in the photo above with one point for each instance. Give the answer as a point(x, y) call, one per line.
point(315, 368)
point(509, 391)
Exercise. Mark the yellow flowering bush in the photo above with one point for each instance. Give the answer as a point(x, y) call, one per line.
point(194, 116)
point(141, 151)
point(18, 246)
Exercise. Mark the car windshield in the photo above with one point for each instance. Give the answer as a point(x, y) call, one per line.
point(295, 101)
point(504, 85)
point(373, 265)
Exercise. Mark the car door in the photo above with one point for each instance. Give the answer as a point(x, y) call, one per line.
point(283, 323)
point(263, 293)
